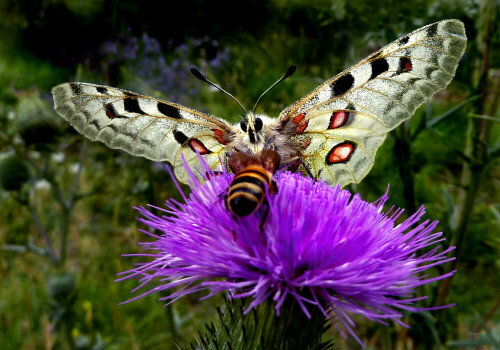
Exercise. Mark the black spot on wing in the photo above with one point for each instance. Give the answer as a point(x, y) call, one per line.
point(342, 84)
point(379, 66)
point(95, 123)
point(405, 64)
point(110, 111)
point(432, 30)
point(404, 40)
point(180, 137)
point(102, 90)
point(132, 105)
point(75, 88)
point(169, 111)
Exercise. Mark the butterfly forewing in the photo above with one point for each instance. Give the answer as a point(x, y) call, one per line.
point(142, 125)
point(335, 130)
point(345, 120)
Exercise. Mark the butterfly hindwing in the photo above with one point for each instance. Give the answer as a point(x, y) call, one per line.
point(341, 124)
point(141, 125)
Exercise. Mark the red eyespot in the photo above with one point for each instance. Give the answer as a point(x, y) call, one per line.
point(219, 136)
point(301, 124)
point(197, 145)
point(408, 66)
point(298, 118)
point(338, 119)
point(340, 153)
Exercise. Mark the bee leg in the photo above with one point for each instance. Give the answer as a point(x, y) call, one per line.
point(226, 203)
point(274, 188)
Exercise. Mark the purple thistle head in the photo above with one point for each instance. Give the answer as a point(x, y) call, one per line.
point(319, 244)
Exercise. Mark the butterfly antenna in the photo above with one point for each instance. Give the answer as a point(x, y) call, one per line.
point(288, 73)
point(200, 76)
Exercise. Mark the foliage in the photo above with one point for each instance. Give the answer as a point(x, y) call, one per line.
point(66, 209)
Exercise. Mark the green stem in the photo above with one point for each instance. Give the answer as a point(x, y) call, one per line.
point(68, 205)
point(69, 337)
point(293, 328)
point(48, 241)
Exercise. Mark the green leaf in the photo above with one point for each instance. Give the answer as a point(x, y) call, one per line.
point(440, 118)
point(485, 117)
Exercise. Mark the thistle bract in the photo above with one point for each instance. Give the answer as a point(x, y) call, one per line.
point(319, 245)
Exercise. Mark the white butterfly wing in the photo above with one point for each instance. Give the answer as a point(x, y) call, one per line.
point(143, 126)
point(340, 125)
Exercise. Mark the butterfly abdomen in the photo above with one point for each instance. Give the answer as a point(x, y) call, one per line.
point(248, 190)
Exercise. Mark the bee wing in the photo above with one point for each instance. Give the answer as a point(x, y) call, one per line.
point(340, 125)
point(142, 125)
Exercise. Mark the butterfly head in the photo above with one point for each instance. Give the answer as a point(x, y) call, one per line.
point(253, 131)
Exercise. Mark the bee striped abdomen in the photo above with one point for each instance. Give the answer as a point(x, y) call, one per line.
point(248, 190)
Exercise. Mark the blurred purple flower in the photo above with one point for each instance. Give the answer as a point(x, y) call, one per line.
point(320, 245)
point(151, 45)
point(130, 49)
point(151, 69)
point(110, 48)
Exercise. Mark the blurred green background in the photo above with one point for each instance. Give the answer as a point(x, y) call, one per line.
point(66, 204)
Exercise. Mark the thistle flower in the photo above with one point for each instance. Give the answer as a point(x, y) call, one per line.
point(319, 245)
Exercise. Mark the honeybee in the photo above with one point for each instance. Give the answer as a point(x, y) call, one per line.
point(253, 177)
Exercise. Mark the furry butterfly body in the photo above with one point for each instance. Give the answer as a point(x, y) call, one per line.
point(334, 131)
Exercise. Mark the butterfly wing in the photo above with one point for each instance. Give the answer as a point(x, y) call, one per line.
point(338, 127)
point(143, 126)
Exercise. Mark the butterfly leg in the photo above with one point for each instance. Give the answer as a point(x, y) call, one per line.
point(319, 175)
point(226, 159)
point(295, 159)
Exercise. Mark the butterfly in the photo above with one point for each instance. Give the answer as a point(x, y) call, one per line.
point(333, 132)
